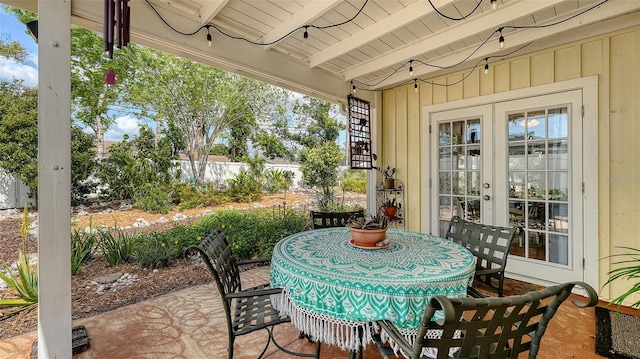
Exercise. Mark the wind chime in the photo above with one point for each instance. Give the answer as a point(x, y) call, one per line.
point(117, 15)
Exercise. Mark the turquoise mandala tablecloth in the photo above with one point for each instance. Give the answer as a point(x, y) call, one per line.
point(332, 289)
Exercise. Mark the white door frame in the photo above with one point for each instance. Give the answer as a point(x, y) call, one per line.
point(589, 87)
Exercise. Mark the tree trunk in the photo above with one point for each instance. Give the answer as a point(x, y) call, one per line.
point(99, 129)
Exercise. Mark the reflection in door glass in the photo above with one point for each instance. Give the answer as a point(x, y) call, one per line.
point(459, 171)
point(538, 179)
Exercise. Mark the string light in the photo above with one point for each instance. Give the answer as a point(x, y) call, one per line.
point(501, 39)
point(415, 85)
point(305, 36)
point(486, 65)
point(410, 68)
point(209, 38)
point(353, 87)
point(494, 5)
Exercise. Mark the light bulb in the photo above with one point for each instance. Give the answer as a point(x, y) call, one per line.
point(494, 5)
point(353, 87)
point(209, 38)
point(411, 68)
point(486, 68)
point(501, 40)
point(415, 85)
point(305, 36)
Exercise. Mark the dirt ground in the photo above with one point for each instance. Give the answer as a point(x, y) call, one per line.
point(144, 284)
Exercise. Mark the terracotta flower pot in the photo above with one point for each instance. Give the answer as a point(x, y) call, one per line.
point(390, 211)
point(367, 237)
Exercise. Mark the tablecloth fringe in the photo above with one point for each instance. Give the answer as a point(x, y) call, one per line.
point(344, 334)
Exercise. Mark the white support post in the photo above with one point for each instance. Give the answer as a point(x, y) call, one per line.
point(54, 179)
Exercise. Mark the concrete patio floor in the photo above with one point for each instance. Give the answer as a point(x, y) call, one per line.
point(190, 324)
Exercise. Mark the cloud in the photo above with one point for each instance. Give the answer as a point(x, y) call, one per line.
point(11, 69)
point(123, 125)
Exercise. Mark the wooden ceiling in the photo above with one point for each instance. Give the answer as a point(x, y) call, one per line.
point(370, 42)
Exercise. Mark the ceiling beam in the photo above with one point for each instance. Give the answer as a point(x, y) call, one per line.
point(390, 23)
point(489, 21)
point(310, 12)
point(570, 31)
point(210, 9)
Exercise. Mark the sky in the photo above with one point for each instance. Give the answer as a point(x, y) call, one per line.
point(13, 30)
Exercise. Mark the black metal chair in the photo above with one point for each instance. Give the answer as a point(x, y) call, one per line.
point(490, 327)
point(490, 245)
point(333, 219)
point(246, 310)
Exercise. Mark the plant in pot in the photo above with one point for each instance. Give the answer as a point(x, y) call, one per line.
point(387, 173)
point(368, 232)
point(390, 208)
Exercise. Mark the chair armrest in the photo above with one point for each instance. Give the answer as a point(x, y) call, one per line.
point(488, 271)
point(248, 293)
point(253, 261)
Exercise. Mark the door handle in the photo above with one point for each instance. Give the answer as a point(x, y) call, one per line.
point(486, 197)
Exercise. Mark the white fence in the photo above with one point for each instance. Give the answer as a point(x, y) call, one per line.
point(13, 194)
point(219, 172)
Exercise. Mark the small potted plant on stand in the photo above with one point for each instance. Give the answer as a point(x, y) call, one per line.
point(390, 208)
point(387, 173)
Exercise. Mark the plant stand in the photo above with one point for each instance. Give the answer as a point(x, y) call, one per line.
point(384, 194)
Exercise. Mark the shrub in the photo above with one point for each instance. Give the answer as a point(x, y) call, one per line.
point(153, 251)
point(153, 198)
point(253, 234)
point(355, 181)
point(116, 248)
point(277, 180)
point(82, 247)
point(192, 196)
point(244, 187)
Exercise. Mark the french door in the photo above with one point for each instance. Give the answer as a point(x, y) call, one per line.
point(516, 163)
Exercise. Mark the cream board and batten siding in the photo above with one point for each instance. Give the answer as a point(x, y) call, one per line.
point(614, 58)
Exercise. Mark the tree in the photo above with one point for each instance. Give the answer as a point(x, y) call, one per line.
point(204, 104)
point(19, 141)
point(320, 169)
point(91, 96)
point(315, 126)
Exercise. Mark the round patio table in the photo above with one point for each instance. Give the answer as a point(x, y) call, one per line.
point(333, 290)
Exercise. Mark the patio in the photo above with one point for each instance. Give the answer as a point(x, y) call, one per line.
point(190, 324)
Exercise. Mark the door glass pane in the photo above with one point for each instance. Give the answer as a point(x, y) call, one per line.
point(558, 123)
point(516, 156)
point(445, 158)
point(536, 188)
point(516, 130)
point(535, 125)
point(558, 249)
point(539, 179)
point(459, 185)
point(558, 155)
point(444, 183)
point(473, 131)
point(457, 132)
point(444, 134)
point(459, 177)
point(536, 156)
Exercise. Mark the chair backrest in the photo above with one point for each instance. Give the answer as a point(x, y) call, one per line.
point(333, 219)
point(489, 244)
point(493, 327)
point(216, 253)
point(457, 231)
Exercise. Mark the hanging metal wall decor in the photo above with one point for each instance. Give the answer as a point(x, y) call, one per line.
point(359, 133)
